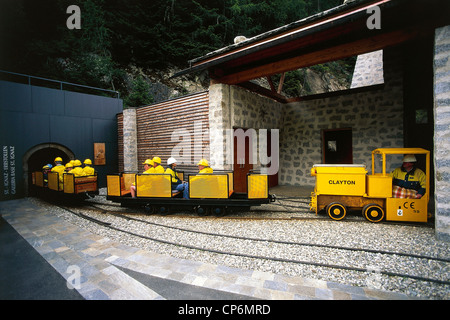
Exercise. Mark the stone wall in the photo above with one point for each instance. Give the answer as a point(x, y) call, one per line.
point(368, 70)
point(233, 107)
point(375, 116)
point(130, 159)
point(442, 131)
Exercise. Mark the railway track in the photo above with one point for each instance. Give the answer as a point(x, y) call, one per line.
point(261, 244)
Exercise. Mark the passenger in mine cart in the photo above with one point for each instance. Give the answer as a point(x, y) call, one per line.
point(408, 180)
point(148, 167)
point(45, 170)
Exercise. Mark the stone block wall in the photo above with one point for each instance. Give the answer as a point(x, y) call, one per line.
point(368, 70)
point(375, 116)
point(233, 107)
point(442, 131)
point(130, 152)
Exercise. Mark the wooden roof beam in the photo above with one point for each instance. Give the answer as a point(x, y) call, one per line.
point(337, 52)
point(263, 91)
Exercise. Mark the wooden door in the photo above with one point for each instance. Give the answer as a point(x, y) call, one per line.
point(273, 179)
point(242, 166)
point(337, 146)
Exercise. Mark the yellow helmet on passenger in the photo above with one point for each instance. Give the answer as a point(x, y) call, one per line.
point(88, 161)
point(149, 162)
point(77, 163)
point(157, 160)
point(58, 159)
point(203, 162)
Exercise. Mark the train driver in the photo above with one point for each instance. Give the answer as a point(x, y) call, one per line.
point(408, 180)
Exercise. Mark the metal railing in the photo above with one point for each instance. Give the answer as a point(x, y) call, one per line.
point(60, 84)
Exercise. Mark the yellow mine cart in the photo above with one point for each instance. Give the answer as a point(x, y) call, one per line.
point(340, 188)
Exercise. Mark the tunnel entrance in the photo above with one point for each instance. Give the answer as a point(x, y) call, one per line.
point(40, 155)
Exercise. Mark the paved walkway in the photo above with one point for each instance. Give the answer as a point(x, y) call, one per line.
point(104, 269)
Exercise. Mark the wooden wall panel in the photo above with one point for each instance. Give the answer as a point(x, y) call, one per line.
point(157, 122)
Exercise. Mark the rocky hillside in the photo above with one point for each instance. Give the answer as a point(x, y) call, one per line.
point(329, 77)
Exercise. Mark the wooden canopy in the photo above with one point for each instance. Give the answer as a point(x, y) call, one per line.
point(341, 32)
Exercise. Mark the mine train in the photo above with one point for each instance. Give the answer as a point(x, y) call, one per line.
point(68, 187)
point(208, 193)
point(340, 188)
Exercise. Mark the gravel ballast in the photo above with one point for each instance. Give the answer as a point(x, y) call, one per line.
point(354, 233)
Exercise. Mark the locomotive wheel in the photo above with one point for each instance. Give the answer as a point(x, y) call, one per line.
point(373, 212)
point(336, 211)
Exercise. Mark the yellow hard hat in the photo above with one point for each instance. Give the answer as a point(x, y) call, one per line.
point(157, 160)
point(72, 162)
point(58, 159)
point(69, 165)
point(77, 163)
point(203, 162)
point(149, 162)
point(87, 161)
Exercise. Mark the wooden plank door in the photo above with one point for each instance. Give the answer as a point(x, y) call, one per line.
point(242, 166)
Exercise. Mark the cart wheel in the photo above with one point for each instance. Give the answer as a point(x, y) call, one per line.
point(164, 210)
point(373, 212)
point(336, 210)
point(218, 211)
point(202, 211)
point(149, 209)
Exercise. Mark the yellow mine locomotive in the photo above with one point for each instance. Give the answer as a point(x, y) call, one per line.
point(340, 188)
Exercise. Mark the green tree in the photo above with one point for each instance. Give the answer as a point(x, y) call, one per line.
point(139, 94)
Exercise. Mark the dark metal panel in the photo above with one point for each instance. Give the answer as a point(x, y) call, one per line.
point(35, 129)
point(104, 130)
point(33, 116)
point(71, 131)
point(85, 105)
point(47, 101)
point(15, 97)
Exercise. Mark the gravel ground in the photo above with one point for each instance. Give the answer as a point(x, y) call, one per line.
point(353, 233)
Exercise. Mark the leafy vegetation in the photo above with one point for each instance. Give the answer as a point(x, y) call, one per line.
point(118, 37)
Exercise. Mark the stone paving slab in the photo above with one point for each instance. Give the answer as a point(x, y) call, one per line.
point(100, 261)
